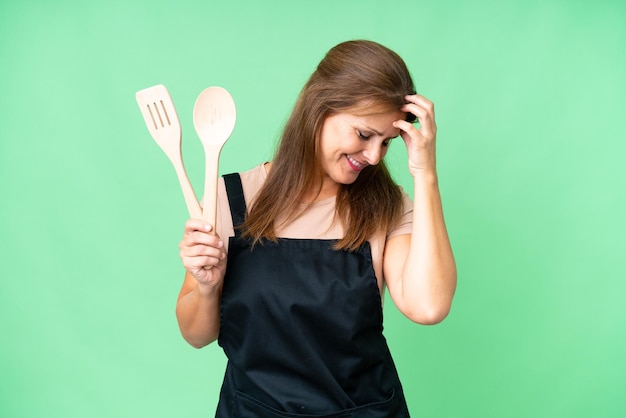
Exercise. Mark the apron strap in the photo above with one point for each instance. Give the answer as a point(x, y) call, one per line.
point(236, 201)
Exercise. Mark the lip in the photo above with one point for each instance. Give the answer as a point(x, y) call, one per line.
point(354, 164)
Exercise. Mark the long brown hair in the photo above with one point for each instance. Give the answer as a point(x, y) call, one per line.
point(352, 75)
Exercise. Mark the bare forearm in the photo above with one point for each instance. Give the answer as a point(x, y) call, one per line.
point(198, 316)
point(429, 275)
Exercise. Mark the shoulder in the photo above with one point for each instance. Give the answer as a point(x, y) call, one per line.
point(251, 181)
point(257, 173)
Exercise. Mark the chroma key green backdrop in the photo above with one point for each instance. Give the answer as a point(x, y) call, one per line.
point(530, 102)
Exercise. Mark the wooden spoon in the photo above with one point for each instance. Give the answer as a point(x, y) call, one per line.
point(214, 117)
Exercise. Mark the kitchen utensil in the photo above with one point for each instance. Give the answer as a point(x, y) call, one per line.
point(162, 121)
point(214, 116)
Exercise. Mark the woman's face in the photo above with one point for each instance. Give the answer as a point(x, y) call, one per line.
point(349, 143)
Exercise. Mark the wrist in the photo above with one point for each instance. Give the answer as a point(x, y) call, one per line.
point(208, 290)
point(425, 176)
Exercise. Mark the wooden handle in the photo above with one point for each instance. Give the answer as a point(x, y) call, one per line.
point(212, 156)
point(195, 211)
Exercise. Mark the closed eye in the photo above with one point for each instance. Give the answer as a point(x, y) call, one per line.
point(362, 135)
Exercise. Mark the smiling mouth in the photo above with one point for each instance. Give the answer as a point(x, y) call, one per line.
point(354, 164)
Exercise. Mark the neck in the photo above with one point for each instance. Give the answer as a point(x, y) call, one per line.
point(329, 189)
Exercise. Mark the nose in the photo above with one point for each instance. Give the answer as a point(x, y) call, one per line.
point(374, 153)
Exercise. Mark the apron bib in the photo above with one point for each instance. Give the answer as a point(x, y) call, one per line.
point(301, 325)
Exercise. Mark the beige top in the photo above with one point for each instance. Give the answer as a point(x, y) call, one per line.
point(318, 222)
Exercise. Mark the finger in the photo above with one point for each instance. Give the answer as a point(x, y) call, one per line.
point(201, 261)
point(425, 117)
point(422, 102)
point(405, 127)
point(421, 113)
point(202, 251)
point(410, 133)
point(202, 238)
point(415, 102)
point(418, 109)
point(197, 225)
point(197, 263)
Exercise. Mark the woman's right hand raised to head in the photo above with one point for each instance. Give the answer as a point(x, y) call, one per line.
point(202, 254)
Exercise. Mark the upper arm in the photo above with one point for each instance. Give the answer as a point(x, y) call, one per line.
point(394, 257)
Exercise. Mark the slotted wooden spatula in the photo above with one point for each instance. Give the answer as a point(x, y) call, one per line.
point(162, 121)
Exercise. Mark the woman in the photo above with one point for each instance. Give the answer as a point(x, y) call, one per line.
point(294, 294)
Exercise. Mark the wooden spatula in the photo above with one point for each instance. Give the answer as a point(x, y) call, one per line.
point(162, 121)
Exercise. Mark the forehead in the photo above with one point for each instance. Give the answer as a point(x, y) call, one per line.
point(375, 110)
point(378, 123)
point(371, 108)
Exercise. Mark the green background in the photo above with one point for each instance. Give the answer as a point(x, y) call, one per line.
point(530, 99)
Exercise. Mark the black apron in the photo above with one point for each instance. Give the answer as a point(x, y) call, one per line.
point(301, 325)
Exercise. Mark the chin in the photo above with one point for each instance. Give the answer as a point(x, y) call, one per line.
point(349, 180)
